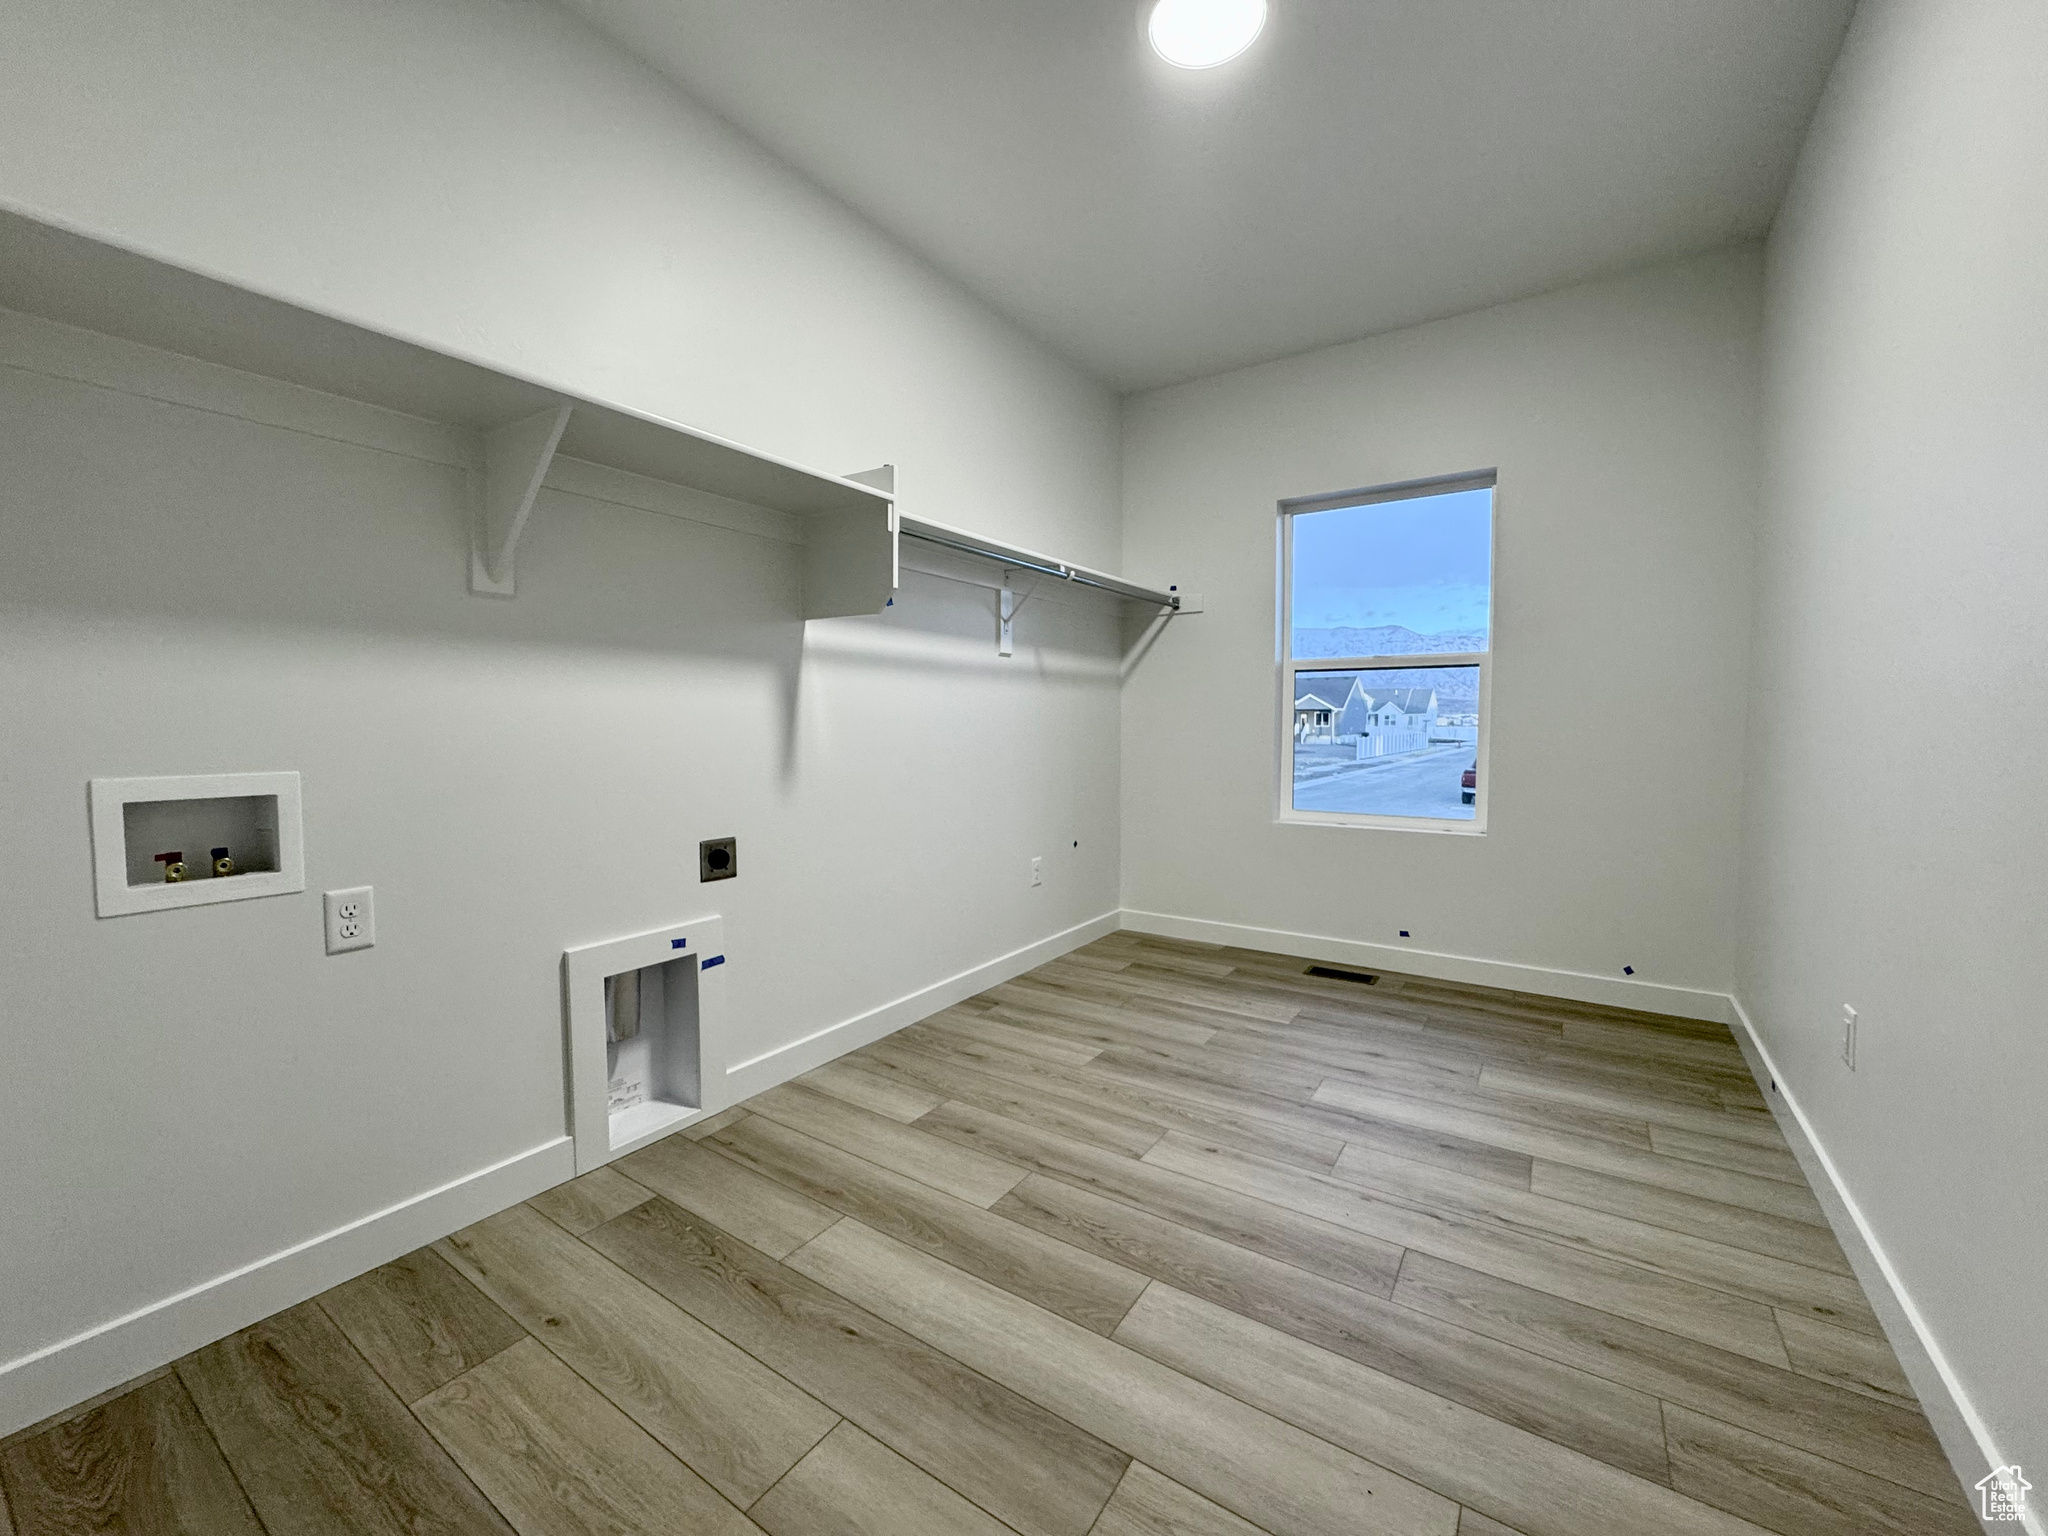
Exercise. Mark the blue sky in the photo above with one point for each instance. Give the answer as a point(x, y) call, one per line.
point(1425, 563)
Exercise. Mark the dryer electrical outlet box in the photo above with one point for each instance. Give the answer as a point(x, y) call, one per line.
point(647, 1046)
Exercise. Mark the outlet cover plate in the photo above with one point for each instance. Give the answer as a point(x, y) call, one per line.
point(351, 919)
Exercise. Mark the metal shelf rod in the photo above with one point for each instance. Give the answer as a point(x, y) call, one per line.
point(1024, 559)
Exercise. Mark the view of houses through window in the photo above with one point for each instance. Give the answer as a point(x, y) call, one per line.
point(1388, 628)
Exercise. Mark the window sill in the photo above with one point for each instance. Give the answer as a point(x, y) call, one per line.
point(1475, 828)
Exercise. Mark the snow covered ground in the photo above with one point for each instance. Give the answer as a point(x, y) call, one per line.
point(1419, 784)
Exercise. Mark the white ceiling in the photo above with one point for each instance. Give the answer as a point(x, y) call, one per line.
point(1366, 165)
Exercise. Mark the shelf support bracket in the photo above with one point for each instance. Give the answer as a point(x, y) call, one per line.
point(516, 458)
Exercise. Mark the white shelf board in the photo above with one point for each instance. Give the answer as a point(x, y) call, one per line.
point(72, 278)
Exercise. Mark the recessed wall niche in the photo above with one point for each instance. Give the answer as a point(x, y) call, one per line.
point(646, 1050)
point(188, 840)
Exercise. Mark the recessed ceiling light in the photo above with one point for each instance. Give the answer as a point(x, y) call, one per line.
point(1200, 34)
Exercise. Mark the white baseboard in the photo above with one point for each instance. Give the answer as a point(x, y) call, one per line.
point(72, 1370)
point(1547, 981)
point(763, 1072)
point(1957, 1425)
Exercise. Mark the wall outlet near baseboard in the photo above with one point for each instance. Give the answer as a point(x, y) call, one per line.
point(1038, 871)
point(1848, 1037)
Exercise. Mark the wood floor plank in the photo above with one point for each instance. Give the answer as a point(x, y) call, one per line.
point(1683, 1255)
point(1292, 1131)
point(846, 1079)
point(1090, 1020)
point(557, 1458)
point(1243, 1459)
point(1734, 1225)
point(1352, 1258)
point(75, 1410)
point(1743, 1156)
point(1048, 1110)
point(1538, 1486)
point(1096, 1002)
point(1628, 1290)
point(590, 1201)
point(1026, 1042)
point(697, 1130)
point(1090, 958)
point(1095, 1292)
point(142, 1463)
point(737, 1423)
point(419, 1322)
point(1258, 1122)
point(916, 1154)
point(1186, 961)
point(1011, 1457)
point(853, 1485)
point(1149, 1503)
point(1502, 1104)
point(1399, 1070)
point(1569, 1087)
point(1795, 1493)
point(1646, 1044)
point(1856, 1360)
point(1191, 1065)
point(1731, 1188)
point(319, 1443)
point(1883, 1439)
point(759, 1211)
point(1473, 1523)
point(1135, 990)
point(1616, 1424)
point(1141, 1097)
point(1365, 1043)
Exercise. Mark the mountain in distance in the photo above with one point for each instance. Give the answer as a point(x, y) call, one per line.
point(1383, 640)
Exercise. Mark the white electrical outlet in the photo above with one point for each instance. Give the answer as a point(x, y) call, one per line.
point(1038, 871)
point(1848, 1037)
point(351, 919)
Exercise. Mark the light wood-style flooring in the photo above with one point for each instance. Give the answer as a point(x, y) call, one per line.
point(1159, 1238)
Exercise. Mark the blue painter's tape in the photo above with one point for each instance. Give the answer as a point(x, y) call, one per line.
point(709, 961)
point(678, 943)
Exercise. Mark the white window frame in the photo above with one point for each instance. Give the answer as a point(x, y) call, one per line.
point(1289, 666)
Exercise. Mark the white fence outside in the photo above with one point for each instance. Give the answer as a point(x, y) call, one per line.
point(1391, 743)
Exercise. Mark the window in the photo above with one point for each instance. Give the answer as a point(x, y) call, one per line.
point(1386, 622)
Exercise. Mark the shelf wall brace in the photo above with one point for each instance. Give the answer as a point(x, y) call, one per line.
point(1009, 612)
point(516, 458)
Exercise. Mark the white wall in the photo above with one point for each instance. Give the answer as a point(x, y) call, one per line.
point(1904, 558)
point(181, 591)
point(1621, 417)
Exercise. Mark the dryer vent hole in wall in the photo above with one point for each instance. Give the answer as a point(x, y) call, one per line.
point(1363, 978)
